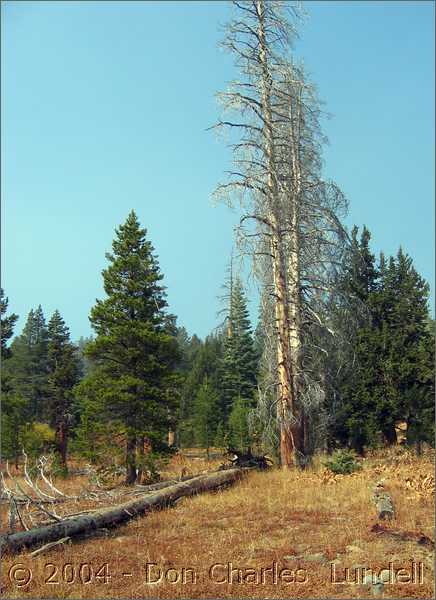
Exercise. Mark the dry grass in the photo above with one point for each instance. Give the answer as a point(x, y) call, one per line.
point(280, 517)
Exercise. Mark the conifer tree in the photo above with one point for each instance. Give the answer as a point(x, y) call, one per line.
point(135, 353)
point(350, 372)
point(240, 360)
point(7, 325)
point(206, 418)
point(12, 413)
point(389, 374)
point(28, 365)
point(63, 374)
point(406, 349)
point(239, 436)
point(205, 364)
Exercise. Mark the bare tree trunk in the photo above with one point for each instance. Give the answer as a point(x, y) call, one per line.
point(286, 402)
point(277, 169)
point(62, 444)
point(293, 279)
point(130, 459)
point(141, 455)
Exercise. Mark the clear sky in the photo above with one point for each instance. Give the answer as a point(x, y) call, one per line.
point(105, 107)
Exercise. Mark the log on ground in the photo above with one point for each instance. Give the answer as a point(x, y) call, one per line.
point(113, 516)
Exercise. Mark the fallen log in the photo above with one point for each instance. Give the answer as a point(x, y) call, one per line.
point(153, 487)
point(404, 536)
point(247, 460)
point(113, 516)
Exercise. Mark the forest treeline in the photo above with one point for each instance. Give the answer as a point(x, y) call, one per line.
point(343, 348)
point(142, 384)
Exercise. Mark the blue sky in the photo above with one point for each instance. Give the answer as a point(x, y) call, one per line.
point(105, 107)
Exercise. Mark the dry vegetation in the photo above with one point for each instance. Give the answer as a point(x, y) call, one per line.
point(302, 521)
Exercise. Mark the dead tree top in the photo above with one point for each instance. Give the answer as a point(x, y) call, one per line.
point(237, 458)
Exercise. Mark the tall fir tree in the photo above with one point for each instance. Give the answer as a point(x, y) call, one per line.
point(389, 374)
point(63, 374)
point(206, 416)
point(12, 413)
point(28, 365)
point(134, 351)
point(239, 366)
point(350, 372)
point(7, 325)
point(406, 351)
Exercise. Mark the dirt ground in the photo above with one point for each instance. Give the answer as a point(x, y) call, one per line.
point(276, 534)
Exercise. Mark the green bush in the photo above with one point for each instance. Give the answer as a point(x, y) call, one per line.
point(343, 462)
point(37, 439)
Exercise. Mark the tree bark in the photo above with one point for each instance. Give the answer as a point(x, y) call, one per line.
point(171, 438)
point(113, 516)
point(62, 444)
point(141, 455)
point(286, 404)
point(130, 459)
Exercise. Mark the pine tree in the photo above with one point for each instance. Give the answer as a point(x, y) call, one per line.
point(12, 413)
point(389, 375)
point(352, 375)
point(239, 368)
point(135, 353)
point(86, 365)
point(406, 350)
point(7, 325)
point(205, 363)
point(206, 418)
point(239, 436)
point(28, 365)
point(63, 374)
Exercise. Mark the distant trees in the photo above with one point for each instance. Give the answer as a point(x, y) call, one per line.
point(38, 377)
point(7, 325)
point(28, 366)
point(134, 350)
point(344, 345)
point(389, 375)
point(206, 415)
point(12, 413)
point(202, 360)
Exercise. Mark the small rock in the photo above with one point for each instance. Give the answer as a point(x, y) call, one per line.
point(316, 557)
point(352, 548)
point(292, 557)
point(375, 584)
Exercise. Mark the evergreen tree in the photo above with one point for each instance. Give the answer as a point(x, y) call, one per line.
point(351, 364)
point(205, 364)
point(239, 367)
point(239, 436)
point(64, 369)
point(135, 353)
point(7, 325)
point(406, 351)
point(86, 364)
point(206, 415)
point(389, 375)
point(28, 366)
point(12, 413)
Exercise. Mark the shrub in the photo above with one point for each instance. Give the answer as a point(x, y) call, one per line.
point(343, 462)
point(37, 439)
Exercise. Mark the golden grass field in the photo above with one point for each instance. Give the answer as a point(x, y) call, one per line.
point(302, 524)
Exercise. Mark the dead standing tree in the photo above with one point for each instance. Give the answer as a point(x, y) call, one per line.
point(277, 166)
